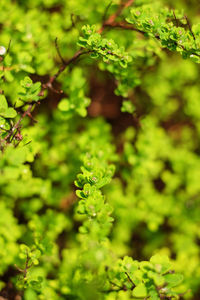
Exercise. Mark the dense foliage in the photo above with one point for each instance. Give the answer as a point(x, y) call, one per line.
point(99, 149)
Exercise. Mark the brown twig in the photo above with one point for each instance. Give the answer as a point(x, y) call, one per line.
point(105, 12)
point(124, 25)
point(175, 18)
point(17, 125)
point(62, 68)
point(65, 63)
point(73, 22)
point(49, 85)
point(26, 268)
point(109, 22)
point(114, 16)
point(129, 278)
point(127, 26)
point(190, 28)
point(2, 68)
point(8, 48)
point(58, 51)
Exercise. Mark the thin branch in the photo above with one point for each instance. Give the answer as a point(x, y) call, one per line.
point(190, 28)
point(115, 284)
point(124, 25)
point(73, 22)
point(27, 266)
point(17, 125)
point(65, 63)
point(129, 278)
point(62, 69)
point(106, 11)
point(119, 288)
point(8, 48)
point(111, 291)
point(58, 51)
point(79, 53)
point(27, 112)
point(19, 269)
point(127, 26)
point(175, 18)
point(114, 16)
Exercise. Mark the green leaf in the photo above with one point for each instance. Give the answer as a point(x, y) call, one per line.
point(3, 104)
point(127, 106)
point(5, 111)
point(10, 113)
point(29, 91)
point(161, 263)
point(16, 156)
point(140, 291)
point(64, 105)
point(26, 82)
point(173, 279)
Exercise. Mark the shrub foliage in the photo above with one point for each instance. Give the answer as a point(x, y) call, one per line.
point(99, 149)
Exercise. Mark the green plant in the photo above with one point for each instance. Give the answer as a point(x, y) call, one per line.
point(99, 150)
